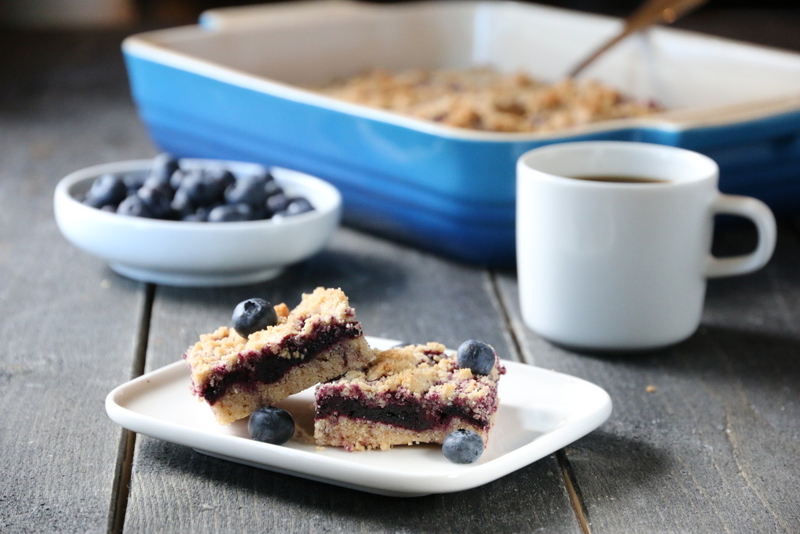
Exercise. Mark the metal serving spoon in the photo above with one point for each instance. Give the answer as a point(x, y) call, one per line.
point(650, 12)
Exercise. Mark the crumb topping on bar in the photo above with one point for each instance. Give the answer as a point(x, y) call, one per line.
point(412, 394)
point(224, 349)
point(421, 371)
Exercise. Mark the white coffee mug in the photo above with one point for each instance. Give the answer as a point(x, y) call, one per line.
point(616, 265)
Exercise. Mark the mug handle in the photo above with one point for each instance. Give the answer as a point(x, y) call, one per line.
point(762, 217)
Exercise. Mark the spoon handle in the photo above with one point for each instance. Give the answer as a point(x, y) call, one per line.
point(651, 12)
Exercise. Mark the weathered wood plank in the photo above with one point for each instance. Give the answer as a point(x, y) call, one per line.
point(398, 293)
point(704, 435)
point(69, 325)
point(179, 490)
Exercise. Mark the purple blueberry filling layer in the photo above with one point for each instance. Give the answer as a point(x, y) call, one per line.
point(405, 414)
point(266, 368)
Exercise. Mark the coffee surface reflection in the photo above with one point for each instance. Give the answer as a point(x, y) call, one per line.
point(621, 179)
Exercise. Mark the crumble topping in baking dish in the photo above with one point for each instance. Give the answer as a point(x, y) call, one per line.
point(482, 98)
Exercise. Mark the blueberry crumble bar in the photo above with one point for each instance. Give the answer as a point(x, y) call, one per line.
point(407, 395)
point(318, 340)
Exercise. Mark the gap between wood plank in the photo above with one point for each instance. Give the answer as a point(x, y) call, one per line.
point(511, 337)
point(567, 474)
point(127, 443)
point(574, 491)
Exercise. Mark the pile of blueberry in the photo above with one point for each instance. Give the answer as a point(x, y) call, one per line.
point(210, 194)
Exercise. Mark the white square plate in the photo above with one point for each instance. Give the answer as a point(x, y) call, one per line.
point(540, 412)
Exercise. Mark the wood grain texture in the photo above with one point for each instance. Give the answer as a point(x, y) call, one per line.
point(398, 293)
point(178, 490)
point(704, 435)
point(69, 325)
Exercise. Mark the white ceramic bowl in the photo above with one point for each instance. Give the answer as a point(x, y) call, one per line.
point(194, 253)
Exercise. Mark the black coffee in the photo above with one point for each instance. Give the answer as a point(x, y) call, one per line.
point(621, 179)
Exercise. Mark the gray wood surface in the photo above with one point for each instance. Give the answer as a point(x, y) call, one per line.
point(712, 446)
point(69, 326)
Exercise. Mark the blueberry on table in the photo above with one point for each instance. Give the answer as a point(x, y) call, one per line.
point(271, 425)
point(477, 356)
point(462, 446)
point(108, 189)
point(231, 213)
point(252, 315)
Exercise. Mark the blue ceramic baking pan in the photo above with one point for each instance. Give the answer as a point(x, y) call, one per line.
point(239, 86)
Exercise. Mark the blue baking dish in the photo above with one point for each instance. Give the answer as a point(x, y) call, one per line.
point(238, 86)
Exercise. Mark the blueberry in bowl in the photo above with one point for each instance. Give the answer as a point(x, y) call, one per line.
point(196, 222)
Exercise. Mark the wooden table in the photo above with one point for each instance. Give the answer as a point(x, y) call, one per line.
point(704, 437)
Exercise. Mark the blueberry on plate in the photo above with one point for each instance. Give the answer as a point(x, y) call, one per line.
point(271, 425)
point(462, 446)
point(107, 189)
point(477, 356)
point(252, 315)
